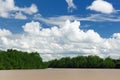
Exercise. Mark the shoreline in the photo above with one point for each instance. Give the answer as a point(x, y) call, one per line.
point(66, 69)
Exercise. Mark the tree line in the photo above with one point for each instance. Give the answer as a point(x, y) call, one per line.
point(84, 62)
point(14, 59)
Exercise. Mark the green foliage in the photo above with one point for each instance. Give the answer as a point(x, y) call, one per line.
point(108, 63)
point(83, 62)
point(79, 62)
point(13, 59)
point(94, 62)
point(117, 63)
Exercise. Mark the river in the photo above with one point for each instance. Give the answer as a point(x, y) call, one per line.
point(61, 74)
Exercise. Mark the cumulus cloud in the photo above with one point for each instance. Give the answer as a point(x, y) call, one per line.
point(101, 6)
point(71, 5)
point(8, 9)
point(61, 41)
point(4, 32)
point(31, 28)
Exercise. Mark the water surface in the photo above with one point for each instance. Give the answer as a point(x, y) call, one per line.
point(61, 74)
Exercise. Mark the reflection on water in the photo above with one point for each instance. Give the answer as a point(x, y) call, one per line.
point(61, 74)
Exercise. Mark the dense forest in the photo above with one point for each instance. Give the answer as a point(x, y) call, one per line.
point(84, 62)
point(13, 59)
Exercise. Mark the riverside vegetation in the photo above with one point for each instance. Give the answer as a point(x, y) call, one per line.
point(13, 59)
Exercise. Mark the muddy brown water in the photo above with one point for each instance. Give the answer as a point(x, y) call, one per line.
point(61, 74)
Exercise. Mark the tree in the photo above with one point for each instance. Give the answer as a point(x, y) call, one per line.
point(108, 63)
point(13, 59)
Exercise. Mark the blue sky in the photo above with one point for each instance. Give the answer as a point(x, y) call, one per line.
point(101, 16)
point(48, 8)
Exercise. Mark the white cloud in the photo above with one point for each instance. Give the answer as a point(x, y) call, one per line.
point(71, 5)
point(59, 20)
point(116, 35)
point(4, 32)
point(61, 41)
point(31, 28)
point(19, 15)
point(29, 10)
point(8, 7)
point(101, 6)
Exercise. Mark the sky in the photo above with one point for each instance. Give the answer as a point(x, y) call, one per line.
point(61, 28)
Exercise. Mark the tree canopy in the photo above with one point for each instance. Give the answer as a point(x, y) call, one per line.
point(84, 62)
point(14, 59)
